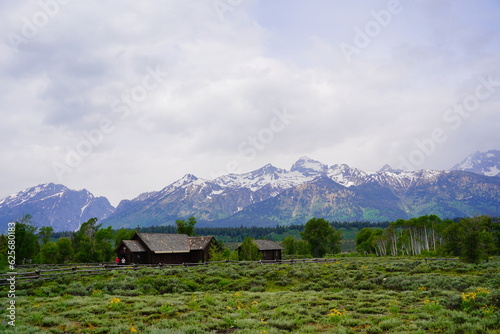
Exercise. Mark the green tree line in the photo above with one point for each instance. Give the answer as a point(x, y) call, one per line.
point(472, 239)
point(239, 233)
point(90, 244)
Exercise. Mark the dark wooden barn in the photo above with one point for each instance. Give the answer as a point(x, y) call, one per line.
point(154, 248)
point(270, 250)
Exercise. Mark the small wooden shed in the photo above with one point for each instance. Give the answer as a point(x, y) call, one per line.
point(270, 250)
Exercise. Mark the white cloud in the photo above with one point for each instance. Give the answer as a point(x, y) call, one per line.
point(223, 82)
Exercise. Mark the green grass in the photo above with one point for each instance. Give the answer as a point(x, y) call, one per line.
point(354, 295)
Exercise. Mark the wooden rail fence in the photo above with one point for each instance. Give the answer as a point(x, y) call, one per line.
point(52, 273)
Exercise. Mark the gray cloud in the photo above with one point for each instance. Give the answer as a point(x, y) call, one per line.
point(87, 75)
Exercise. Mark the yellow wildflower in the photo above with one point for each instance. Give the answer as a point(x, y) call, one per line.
point(468, 296)
point(335, 312)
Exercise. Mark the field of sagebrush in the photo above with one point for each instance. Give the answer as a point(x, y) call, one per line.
point(352, 295)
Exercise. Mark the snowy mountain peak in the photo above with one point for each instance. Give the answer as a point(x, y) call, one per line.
point(346, 175)
point(485, 163)
point(254, 180)
point(54, 205)
point(183, 182)
point(308, 166)
point(388, 168)
point(266, 170)
point(186, 179)
point(34, 193)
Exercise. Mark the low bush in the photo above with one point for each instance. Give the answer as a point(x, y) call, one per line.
point(355, 294)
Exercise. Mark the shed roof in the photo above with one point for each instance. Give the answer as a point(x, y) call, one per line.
point(265, 245)
point(165, 242)
point(134, 245)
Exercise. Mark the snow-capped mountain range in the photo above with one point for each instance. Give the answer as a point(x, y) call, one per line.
point(54, 205)
point(271, 196)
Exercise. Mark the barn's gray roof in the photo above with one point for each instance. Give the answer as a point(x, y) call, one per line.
point(165, 242)
point(134, 245)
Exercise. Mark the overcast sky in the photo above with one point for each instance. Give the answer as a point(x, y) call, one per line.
point(123, 97)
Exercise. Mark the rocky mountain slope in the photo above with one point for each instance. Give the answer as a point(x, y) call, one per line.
point(448, 194)
point(485, 163)
point(54, 205)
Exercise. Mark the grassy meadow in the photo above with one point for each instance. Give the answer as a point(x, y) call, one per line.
point(352, 295)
